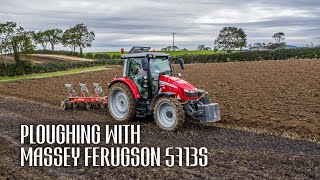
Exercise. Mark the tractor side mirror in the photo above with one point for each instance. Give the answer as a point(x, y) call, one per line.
point(181, 62)
point(145, 64)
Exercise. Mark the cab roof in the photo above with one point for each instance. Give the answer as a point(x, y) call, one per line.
point(144, 54)
point(138, 51)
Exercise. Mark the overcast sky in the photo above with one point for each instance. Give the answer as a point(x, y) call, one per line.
point(124, 23)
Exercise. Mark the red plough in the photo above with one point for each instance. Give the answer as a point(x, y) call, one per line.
point(85, 100)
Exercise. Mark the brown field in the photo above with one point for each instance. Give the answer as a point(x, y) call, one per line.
point(46, 59)
point(281, 97)
point(269, 97)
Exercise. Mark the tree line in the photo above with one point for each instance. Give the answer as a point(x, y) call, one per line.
point(231, 38)
point(15, 40)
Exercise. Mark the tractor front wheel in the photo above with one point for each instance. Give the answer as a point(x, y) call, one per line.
point(121, 102)
point(169, 113)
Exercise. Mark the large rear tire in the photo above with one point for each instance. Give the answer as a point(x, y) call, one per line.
point(169, 114)
point(121, 102)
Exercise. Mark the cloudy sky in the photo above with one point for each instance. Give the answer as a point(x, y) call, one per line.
point(124, 23)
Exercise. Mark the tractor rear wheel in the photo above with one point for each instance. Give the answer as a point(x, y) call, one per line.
point(169, 113)
point(121, 102)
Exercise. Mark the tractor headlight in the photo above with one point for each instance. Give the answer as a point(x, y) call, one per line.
point(189, 91)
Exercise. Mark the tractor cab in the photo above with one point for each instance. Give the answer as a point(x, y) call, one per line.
point(144, 68)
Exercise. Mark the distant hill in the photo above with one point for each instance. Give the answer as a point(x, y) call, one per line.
point(292, 46)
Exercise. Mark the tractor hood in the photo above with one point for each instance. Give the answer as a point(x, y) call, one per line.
point(177, 82)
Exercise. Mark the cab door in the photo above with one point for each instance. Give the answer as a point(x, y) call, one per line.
point(136, 73)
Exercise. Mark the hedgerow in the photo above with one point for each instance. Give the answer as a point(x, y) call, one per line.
point(15, 70)
point(70, 53)
point(26, 67)
point(59, 52)
point(102, 56)
point(281, 54)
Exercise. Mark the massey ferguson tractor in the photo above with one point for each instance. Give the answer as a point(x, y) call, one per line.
point(149, 86)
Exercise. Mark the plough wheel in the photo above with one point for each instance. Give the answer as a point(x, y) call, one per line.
point(88, 106)
point(63, 105)
point(101, 105)
point(74, 106)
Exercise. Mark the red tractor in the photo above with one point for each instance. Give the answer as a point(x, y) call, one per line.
point(149, 86)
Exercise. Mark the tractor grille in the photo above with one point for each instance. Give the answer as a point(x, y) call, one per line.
point(192, 95)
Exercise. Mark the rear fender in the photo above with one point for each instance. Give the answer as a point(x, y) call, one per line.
point(155, 99)
point(129, 83)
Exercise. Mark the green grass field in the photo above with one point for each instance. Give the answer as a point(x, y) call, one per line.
point(51, 74)
point(172, 53)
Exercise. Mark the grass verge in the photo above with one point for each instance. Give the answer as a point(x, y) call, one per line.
point(51, 74)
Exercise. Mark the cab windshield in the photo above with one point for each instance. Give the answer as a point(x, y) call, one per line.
point(160, 65)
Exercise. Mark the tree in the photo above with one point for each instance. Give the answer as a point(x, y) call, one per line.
point(272, 46)
point(170, 48)
point(230, 38)
point(283, 45)
point(53, 36)
point(69, 38)
point(279, 37)
point(7, 31)
point(202, 47)
point(14, 37)
point(264, 46)
point(78, 36)
point(26, 45)
point(41, 38)
point(174, 48)
point(257, 46)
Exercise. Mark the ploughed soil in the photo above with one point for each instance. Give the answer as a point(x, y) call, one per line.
point(268, 97)
point(232, 154)
point(274, 97)
point(46, 59)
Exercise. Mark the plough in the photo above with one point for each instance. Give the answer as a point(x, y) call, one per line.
point(85, 100)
